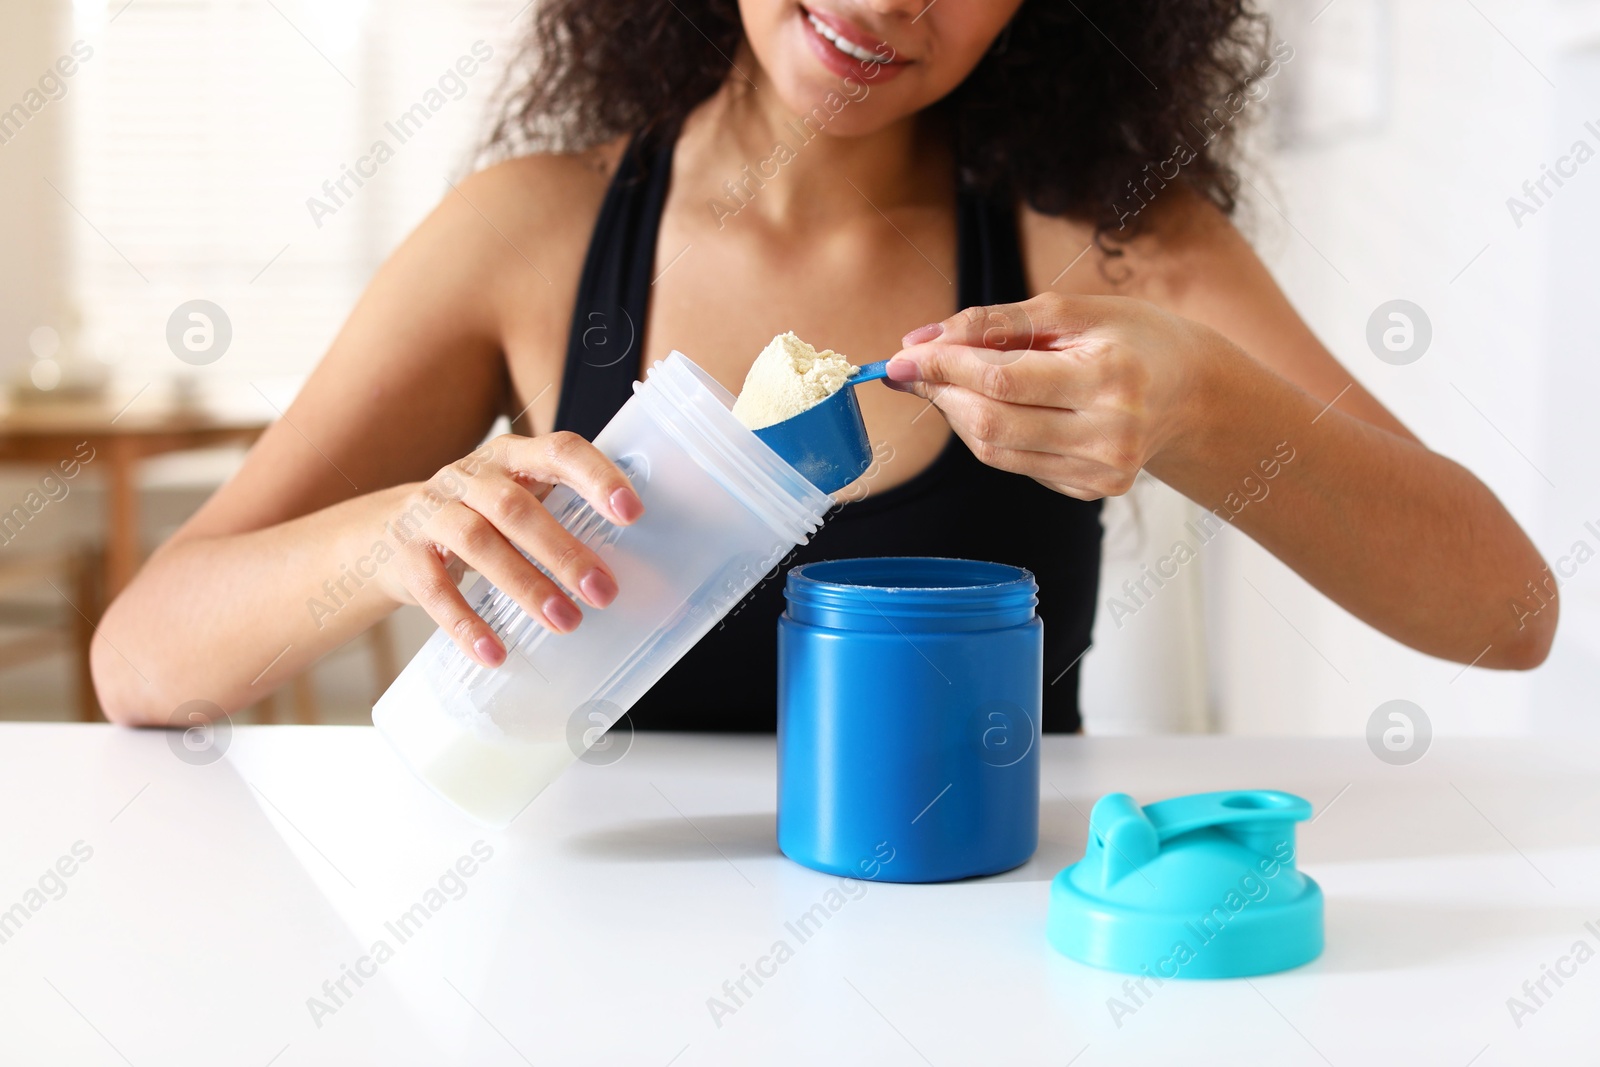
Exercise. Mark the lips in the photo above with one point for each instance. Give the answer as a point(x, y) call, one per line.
point(846, 49)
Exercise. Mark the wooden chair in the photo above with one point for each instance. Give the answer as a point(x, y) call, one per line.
point(59, 623)
point(379, 642)
point(65, 622)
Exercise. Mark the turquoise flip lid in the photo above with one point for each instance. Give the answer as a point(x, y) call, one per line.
point(1202, 886)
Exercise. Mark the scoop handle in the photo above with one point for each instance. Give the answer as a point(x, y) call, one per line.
point(869, 372)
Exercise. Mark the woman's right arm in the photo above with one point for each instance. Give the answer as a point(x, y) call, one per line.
point(373, 490)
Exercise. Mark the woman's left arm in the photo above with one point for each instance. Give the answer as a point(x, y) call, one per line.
point(1214, 385)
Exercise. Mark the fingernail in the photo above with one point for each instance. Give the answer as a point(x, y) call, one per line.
point(922, 334)
point(489, 651)
point(598, 587)
point(562, 614)
point(903, 370)
point(626, 505)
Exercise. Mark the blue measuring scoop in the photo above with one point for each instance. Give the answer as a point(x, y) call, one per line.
point(827, 443)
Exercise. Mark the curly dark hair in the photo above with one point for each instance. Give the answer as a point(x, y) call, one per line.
point(1072, 109)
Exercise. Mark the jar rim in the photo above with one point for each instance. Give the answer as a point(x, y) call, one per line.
point(943, 574)
point(929, 593)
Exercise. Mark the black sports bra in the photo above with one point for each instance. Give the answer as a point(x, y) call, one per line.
point(728, 682)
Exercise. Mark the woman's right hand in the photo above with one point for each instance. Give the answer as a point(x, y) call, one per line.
point(475, 512)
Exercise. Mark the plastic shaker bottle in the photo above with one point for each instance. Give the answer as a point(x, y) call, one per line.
point(721, 510)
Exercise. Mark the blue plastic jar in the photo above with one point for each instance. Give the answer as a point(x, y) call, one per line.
point(909, 695)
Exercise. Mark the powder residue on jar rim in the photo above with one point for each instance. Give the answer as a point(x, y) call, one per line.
point(788, 377)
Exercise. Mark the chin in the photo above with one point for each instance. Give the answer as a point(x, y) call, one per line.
point(816, 62)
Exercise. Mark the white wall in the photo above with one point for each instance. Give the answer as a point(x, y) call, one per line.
point(1399, 200)
point(31, 215)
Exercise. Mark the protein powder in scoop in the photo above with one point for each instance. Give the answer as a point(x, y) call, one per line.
point(788, 377)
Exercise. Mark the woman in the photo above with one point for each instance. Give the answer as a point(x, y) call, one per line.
point(1045, 185)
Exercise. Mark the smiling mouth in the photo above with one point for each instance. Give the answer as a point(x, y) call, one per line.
point(849, 48)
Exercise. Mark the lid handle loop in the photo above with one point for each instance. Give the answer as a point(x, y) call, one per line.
point(1124, 837)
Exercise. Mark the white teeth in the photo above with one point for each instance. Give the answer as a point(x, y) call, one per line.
point(854, 51)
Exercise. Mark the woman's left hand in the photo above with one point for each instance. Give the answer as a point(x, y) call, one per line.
point(1078, 393)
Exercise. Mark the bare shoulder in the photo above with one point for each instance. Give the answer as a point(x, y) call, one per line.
point(1186, 256)
point(1189, 259)
point(470, 301)
point(530, 217)
point(547, 186)
point(484, 279)
point(1059, 254)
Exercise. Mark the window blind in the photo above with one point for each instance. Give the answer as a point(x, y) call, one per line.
point(202, 132)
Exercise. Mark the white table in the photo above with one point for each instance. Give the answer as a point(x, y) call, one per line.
point(219, 898)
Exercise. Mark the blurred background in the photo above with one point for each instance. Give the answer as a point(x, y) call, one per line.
point(161, 159)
